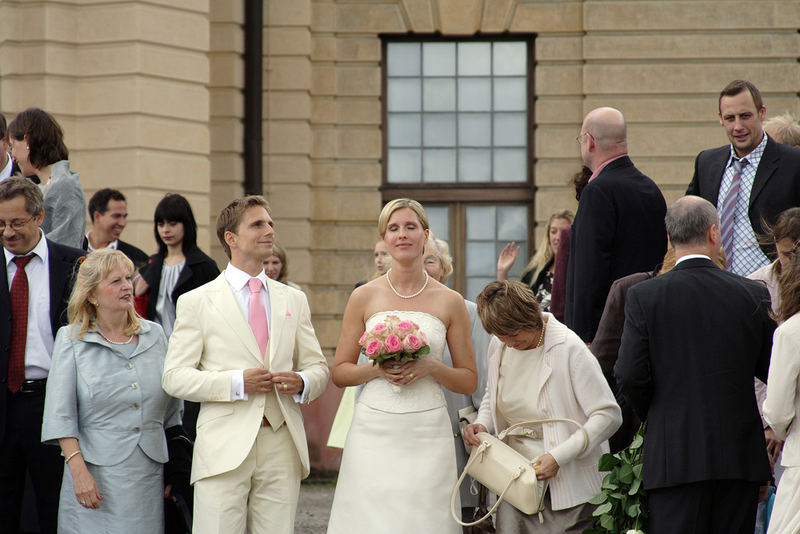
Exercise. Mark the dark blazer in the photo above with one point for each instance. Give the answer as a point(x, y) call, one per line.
point(618, 230)
point(135, 254)
point(776, 186)
point(199, 269)
point(693, 340)
point(61, 263)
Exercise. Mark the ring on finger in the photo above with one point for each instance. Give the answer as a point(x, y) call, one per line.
point(410, 375)
point(83, 502)
point(285, 387)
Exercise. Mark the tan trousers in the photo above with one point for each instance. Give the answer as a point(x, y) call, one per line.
point(259, 495)
point(571, 521)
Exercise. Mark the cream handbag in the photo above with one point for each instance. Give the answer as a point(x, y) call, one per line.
point(506, 472)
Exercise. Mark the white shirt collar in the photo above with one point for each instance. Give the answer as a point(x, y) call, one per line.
point(692, 257)
point(237, 278)
point(39, 250)
point(89, 248)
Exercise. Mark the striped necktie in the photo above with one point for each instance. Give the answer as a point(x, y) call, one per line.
point(728, 212)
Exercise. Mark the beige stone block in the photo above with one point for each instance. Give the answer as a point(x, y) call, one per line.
point(227, 134)
point(548, 17)
point(358, 110)
point(325, 143)
point(557, 141)
point(295, 234)
point(343, 269)
point(697, 15)
point(674, 139)
point(222, 194)
point(288, 73)
point(105, 132)
point(420, 15)
point(327, 330)
point(459, 17)
point(359, 81)
point(548, 201)
point(497, 15)
point(358, 48)
point(556, 172)
point(228, 37)
point(160, 171)
point(289, 200)
point(292, 13)
point(329, 301)
point(53, 93)
point(225, 102)
point(287, 41)
point(288, 137)
point(559, 110)
point(226, 69)
point(658, 108)
point(324, 110)
point(672, 193)
point(348, 174)
point(324, 80)
point(370, 18)
point(359, 237)
point(300, 267)
point(226, 167)
point(667, 172)
point(341, 205)
point(688, 77)
point(661, 45)
point(323, 17)
point(31, 59)
point(172, 63)
point(197, 6)
point(288, 168)
point(287, 105)
point(359, 143)
point(226, 11)
point(176, 172)
point(323, 48)
point(559, 48)
point(559, 79)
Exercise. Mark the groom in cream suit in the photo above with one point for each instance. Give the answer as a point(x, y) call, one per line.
point(250, 374)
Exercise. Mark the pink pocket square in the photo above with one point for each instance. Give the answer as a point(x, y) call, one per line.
point(288, 314)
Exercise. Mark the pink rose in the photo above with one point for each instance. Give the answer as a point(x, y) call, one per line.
point(378, 328)
point(363, 338)
point(412, 343)
point(423, 338)
point(405, 326)
point(393, 344)
point(373, 348)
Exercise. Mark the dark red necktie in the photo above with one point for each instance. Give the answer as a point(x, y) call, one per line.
point(19, 324)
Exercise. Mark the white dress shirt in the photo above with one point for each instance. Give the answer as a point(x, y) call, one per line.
point(238, 281)
point(39, 341)
point(5, 172)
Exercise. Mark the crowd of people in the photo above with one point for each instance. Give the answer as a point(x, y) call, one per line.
point(154, 393)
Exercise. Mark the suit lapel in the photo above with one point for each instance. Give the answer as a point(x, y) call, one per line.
point(221, 298)
point(766, 168)
point(716, 168)
point(60, 271)
point(278, 301)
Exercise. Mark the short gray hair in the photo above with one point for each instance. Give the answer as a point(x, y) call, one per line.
point(688, 219)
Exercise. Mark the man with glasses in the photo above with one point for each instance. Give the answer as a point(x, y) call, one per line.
point(33, 300)
point(619, 226)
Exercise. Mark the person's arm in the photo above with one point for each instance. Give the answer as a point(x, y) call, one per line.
point(632, 369)
point(779, 410)
point(694, 185)
point(68, 213)
point(86, 491)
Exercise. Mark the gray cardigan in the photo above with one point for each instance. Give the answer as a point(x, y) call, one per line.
point(64, 207)
point(108, 401)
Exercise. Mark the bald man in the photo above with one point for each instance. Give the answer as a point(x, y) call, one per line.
point(619, 227)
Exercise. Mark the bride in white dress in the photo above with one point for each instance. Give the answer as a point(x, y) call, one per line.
point(398, 468)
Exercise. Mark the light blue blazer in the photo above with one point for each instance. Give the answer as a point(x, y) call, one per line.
point(109, 401)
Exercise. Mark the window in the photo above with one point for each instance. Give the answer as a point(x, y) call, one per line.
point(457, 137)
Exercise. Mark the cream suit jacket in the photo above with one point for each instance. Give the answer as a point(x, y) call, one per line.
point(210, 341)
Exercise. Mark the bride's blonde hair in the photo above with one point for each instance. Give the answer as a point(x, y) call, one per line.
point(399, 203)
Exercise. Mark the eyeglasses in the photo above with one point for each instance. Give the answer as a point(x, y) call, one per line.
point(16, 224)
point(579, 139)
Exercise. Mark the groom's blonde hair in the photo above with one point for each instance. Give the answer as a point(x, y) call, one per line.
point(231, 216)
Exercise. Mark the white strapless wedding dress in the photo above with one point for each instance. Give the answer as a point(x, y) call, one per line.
point(398, 467)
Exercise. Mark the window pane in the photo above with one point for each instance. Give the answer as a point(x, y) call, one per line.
point(402, 59)
point(403, 94)
point(510, 59)
point(439, 59)
point(439, 129)
point(439, 221)
point(481, 259)
point(474, 165)
point(474, 129)
point(403, 129)
point(439, 165)
point(474, 94)
point(510, 94)
point(512, 224)
point(439, 94)
point(509, 129)
point(404, 165)
point(509, 165)
point(474, 59)
point(480, 222)
point(476, 285)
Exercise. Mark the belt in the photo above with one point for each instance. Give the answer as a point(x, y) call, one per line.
point(264, 421)
point(33, 386)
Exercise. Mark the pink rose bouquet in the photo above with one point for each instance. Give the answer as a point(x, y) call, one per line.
point(394, 339)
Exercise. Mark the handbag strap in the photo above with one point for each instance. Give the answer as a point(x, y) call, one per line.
point(502, 435)
point(484, 445)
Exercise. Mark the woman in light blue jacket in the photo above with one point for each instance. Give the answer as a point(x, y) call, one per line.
point(105, 407)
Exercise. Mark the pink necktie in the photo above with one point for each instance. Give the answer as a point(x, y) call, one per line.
point(258, 315)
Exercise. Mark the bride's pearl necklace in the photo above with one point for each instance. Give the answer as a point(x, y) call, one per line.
point(407, 296)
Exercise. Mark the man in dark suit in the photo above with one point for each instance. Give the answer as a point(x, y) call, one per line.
point(34, 291)
point(108, 211)
point(751, 181)
point(619, 227)
point(693, 340)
